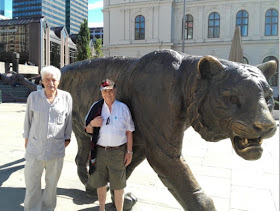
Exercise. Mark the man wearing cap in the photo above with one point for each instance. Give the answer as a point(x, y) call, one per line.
point(110, 124)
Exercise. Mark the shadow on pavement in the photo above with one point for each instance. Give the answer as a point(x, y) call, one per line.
point(79, 197)
point(11, 198)
point(5, 172)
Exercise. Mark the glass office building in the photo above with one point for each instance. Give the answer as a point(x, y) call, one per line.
point(76, 12)
point(53, 11)
point(68, 13)
point(2, 7)
point(36, 42)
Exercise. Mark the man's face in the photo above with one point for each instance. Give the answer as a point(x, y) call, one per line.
point(109, 95)
point(50, 82)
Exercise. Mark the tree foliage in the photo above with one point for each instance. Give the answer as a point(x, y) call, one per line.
point(97, 48)
point(83, 40)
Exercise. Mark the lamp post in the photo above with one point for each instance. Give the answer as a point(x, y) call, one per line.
point(183, 27)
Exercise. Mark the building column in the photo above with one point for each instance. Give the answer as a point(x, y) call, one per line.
point(48, 47)
point(61, 50)
point(106, 29)
point(67, 50)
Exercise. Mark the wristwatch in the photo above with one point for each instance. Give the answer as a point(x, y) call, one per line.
point(129, 152)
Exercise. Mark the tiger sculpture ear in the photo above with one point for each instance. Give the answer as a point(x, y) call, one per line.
point(209, 66)
point(268, 68)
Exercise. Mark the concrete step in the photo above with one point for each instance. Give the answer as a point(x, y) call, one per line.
point(13, 93)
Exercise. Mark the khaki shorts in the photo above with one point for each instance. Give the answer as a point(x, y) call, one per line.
point(109, 167)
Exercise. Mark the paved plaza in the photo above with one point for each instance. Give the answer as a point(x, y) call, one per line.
point(233, 183)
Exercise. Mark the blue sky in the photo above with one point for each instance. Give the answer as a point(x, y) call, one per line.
point(95, 15)
point(8, 8)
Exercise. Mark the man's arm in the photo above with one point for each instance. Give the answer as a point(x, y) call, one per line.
point(68, 120)
point(26, 141)
point(129, 140)
point(27, 120)
point(129, 152)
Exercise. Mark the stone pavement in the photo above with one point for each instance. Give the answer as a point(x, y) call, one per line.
point(233, 183)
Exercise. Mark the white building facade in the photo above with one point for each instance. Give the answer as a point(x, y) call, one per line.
point(137, 27)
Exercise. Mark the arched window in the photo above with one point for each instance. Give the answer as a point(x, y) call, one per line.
point(273, 81)
point(189, 27)
point(242, 20)
point(271, 23)
point(214, 25)
point(245, 60)
point(139, 27)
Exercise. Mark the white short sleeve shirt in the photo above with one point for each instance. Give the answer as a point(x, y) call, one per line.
point(115, 124)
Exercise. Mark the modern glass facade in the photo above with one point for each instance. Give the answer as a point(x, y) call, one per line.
point(96, 33)
point(53, 11)
point(76, 12)
point(15, 37)
point(68, 13)
point(2, 7)
point(35, 42)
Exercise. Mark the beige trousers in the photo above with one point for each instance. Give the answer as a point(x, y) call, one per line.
point(35, 199)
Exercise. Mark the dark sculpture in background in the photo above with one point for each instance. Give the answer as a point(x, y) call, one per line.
point(167, 92)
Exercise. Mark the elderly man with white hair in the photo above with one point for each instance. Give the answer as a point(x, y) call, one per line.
point(47, 131)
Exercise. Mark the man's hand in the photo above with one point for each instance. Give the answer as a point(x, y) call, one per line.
point(127, 159)
point(96, 122)
point(67, 142)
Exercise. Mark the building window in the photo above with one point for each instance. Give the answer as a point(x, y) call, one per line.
point(245, 60)
point(139, 27)
point(214, 25)
point(273, 81)
point(55, 54)
point(188, 27)
point(72, 55)
point(271, 23)
point(242, 19)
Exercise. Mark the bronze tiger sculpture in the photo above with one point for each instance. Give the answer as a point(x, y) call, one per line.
point(167, 92)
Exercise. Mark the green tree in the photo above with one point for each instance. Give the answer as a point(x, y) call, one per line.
point(97, 48)
point(83, 39)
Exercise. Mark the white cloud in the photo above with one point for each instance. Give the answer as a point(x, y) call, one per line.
point(95, 5)
point(91, 25)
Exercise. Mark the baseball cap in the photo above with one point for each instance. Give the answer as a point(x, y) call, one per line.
point(107, 84)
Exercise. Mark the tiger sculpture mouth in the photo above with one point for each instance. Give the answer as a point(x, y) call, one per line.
point(242, 143)
point(249, 149)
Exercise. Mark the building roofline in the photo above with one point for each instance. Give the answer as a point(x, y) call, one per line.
point(21, 21)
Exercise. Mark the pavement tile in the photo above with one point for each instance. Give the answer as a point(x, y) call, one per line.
point(215, 186)
point(272, 182)
point(221, 204)
point(211, 171)
point(252, 199)
point(249, 178)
